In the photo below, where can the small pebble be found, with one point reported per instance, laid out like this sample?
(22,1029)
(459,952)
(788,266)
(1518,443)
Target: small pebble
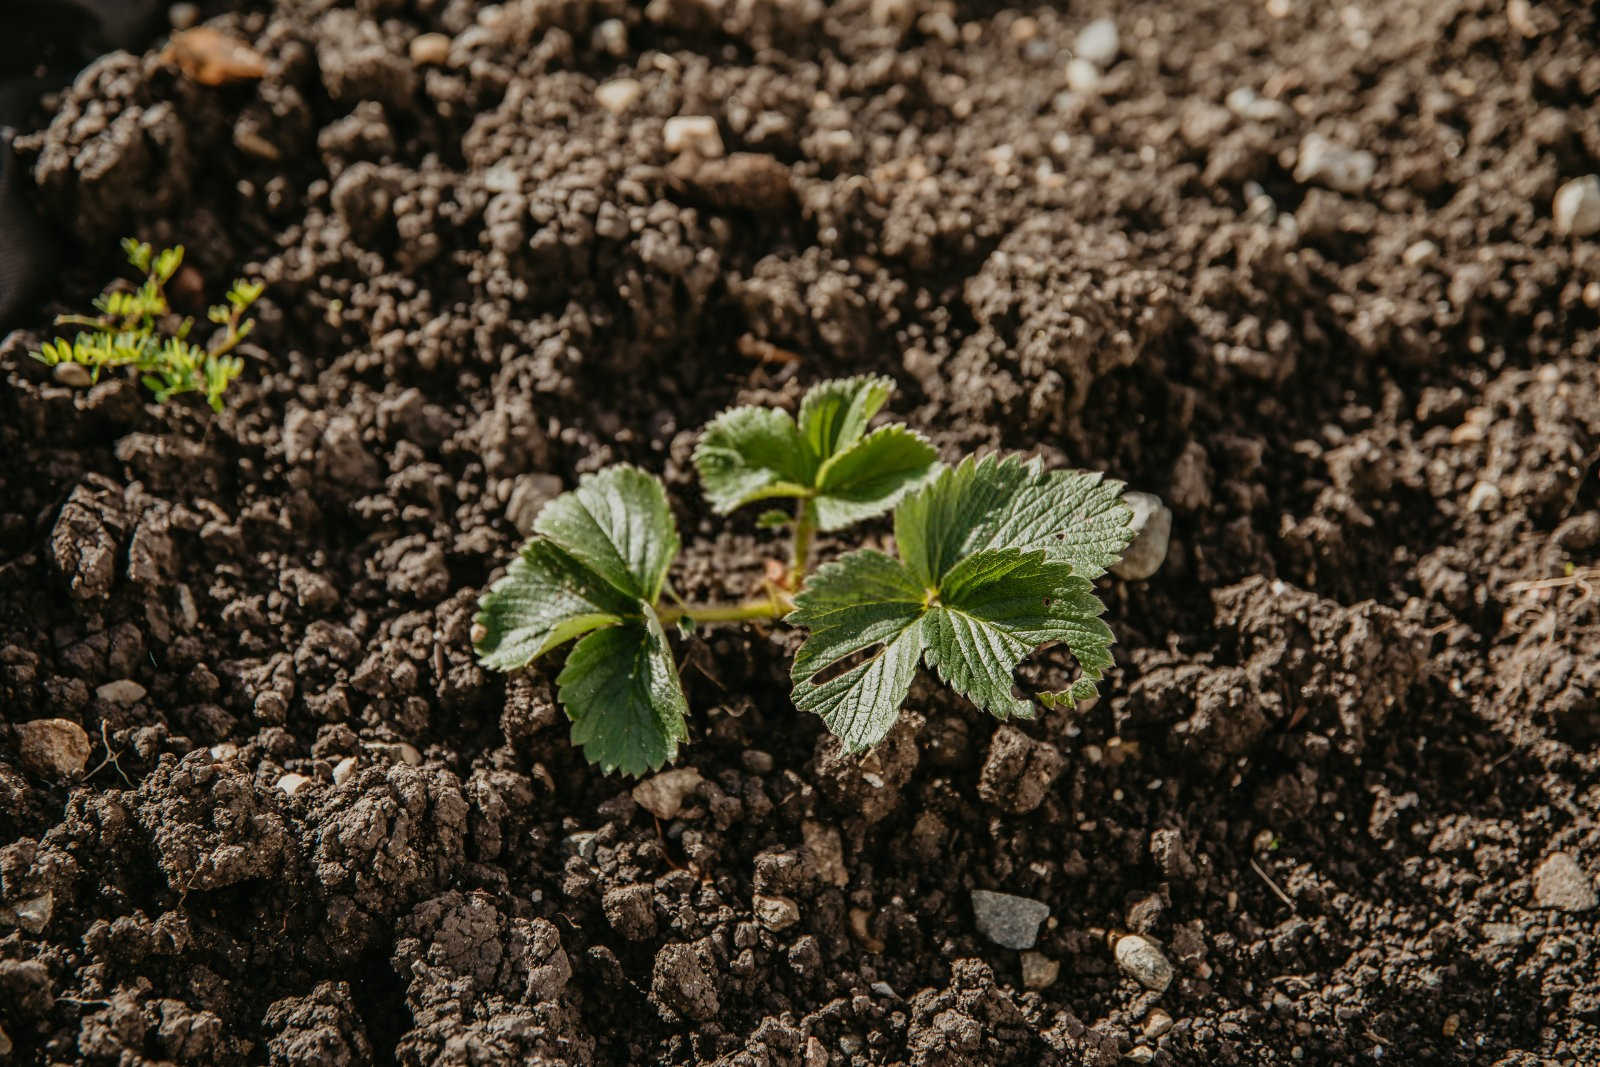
(884,989)
(1008,920)
(343,770)
(1098,43)
(397,752)
(693,133)
(1152,526)
(430,49)
(1157,1025)
(663,794)
(1038,970)
(1485,496)
(1082,76)
(123,691)
(1560,883)
(619,95)
(183,16)
(1420,254)
(531,493)
(32,915)
(1140,1054)
(1576,209)
(611,37)
(293,783)
(1248,104)
(1322,162)
(72,375)
(53,748)
(224,751)
(774,912)
(1143,962)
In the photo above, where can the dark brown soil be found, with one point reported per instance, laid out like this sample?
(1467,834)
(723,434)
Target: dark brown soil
(1356,710)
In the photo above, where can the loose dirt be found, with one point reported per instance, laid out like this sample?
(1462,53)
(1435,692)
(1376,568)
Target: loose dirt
(1344,781)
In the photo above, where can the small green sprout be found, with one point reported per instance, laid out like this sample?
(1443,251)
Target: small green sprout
(994,558)
(129,332)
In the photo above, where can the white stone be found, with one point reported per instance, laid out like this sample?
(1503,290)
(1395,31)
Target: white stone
(662,795)
(693,133)
(1098,43)
(1485,496)
(343,770)
(1420,254)
(122,691)
(224,751)
(1143,962)
(611,37)
(54,748)
(619,95)
(397,751)
(1560,883)
(1322,162)
(293,783)
(1248,104)
(1008,920)
(1152,535)
(1082,76)
(1576,209)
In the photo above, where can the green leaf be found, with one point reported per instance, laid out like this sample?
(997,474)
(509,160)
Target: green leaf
(997,606)
(834,414)
(993,562)
(863,600)
(753,453)
(774,519)
(1074,517)
(621,690)
(867,478)
(749,454)
(618,524)
(545,599)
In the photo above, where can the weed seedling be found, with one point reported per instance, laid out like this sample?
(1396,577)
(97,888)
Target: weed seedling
(994,558)
(131,331)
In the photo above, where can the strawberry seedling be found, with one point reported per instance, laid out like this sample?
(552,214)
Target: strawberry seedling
(995,558)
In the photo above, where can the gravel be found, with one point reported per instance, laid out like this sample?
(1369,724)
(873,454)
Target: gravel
(1152,524)
(1009,921)
(1142,961)
(1576,208)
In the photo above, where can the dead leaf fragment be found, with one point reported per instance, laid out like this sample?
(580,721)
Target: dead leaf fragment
(211,57)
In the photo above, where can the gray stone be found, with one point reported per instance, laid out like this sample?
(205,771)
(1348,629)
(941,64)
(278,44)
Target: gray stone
(1560,883)
(1152,525)
(1142,961)
(1009,921)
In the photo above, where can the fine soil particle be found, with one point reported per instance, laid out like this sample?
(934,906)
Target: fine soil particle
(1290,267)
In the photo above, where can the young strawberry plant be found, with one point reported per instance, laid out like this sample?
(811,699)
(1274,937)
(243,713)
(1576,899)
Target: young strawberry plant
(994,558)
(131,331)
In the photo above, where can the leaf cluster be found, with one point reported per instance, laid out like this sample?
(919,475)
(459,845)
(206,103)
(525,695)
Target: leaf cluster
(136,329)
(994,558)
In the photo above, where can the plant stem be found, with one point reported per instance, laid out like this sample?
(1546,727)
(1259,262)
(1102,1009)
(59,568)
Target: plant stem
(805,527)
(745,611)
